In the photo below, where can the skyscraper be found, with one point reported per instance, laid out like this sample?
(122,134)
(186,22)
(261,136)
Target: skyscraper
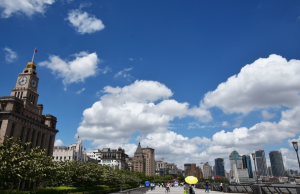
(277,163)
(270,171)
(247,164)
(236,159)
(261,162)
(219,167)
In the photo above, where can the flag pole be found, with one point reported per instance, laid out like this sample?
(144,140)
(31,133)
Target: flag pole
(33,54)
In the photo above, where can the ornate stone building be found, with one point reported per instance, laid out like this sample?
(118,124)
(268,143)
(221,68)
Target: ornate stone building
(21,116)
(192,170)
(144,160)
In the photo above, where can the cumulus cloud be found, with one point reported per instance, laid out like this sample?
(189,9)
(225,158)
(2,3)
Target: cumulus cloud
(266,115)
(10,55)
(84,22)
(105,70)
(83,66)
(80,91)
(267,82)
(124,73)
(58,142)
(27,7)
(143,106)
(289,158)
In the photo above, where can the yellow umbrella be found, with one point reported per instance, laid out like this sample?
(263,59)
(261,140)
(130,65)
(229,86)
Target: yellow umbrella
(191,180)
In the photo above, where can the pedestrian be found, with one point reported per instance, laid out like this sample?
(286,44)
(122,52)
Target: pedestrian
(221,186)
(206,187)
(158,185)
(186,188)
(193,189)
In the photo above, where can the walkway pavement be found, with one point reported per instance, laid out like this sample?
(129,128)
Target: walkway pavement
(177,190)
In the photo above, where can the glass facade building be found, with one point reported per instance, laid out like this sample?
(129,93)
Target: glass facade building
(247,164)
(277,163)
(261,163)
(219,167)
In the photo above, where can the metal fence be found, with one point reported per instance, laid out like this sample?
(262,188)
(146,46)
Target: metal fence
(255,189)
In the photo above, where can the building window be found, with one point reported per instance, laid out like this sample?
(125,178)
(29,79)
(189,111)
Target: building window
(56,157)
(61,158)
(37,139)
(18,94)
(27,136)
(12,130)
(22,133)
(42,141)
(0,124)
(49,145)
(21,95)
(32,138)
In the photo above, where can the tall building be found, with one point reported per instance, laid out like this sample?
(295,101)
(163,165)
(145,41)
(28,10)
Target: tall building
(261,162)
(73,152)
(270,174)
(192,170)
(219,167)
(21,116)
(247,164)
(277,163)
(206,170)
(144,160)
(165,168)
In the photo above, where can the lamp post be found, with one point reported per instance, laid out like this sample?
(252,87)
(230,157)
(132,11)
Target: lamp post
(253,156)
(295,145)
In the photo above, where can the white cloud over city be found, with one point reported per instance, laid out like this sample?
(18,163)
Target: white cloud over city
(73,71)
(23,7)
(83,22)
(10,55)
(147,108)
(267,82)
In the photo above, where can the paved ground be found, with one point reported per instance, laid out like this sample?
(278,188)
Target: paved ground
(177,190)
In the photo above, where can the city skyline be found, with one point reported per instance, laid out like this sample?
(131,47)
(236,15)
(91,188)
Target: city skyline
(194,81)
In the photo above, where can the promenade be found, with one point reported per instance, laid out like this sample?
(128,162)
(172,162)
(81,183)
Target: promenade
(177,190)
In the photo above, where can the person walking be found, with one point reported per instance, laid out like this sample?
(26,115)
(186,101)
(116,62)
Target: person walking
(206,187)
(168,186)
(186,188)
(221,186)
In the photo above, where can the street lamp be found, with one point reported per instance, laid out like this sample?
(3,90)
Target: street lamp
(253,156)
(295,145)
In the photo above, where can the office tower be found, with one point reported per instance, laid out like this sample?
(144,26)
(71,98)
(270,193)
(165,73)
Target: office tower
(144,160)
(277,163)
(219,167)
(270,171)
(261,163)
(206,170)
(247,164)
(235,159)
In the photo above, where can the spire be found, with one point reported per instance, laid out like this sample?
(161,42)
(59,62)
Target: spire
(139,149)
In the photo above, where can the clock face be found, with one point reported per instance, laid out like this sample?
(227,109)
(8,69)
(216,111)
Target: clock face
(22,81)
(33,83)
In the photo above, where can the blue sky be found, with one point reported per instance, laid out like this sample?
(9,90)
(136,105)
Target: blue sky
(120,72)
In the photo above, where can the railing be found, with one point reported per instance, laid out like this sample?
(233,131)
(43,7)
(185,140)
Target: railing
(255,189)
(279,189)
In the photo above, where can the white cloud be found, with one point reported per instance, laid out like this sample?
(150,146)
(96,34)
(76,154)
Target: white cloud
(84,22)
(266,115)
(289,159)
(10,55)
(143,106)
(83,66)
(105,70)
(27,7)
(79,91)
(85,4)
(58,142)
(225,124)
(124,73)
(267,82)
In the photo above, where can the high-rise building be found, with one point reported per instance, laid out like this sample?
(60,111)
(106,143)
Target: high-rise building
(219,167)
(144,160)
(247,164)
(22,117)
(270,174)
(206,170)
(235,159)
(261,162)
(277,163)
(192,170)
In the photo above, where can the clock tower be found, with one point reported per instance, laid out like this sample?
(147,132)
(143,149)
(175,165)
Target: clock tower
(21,116)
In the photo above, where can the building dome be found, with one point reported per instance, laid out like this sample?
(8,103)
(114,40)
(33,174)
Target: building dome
(234,155)
(31,65)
